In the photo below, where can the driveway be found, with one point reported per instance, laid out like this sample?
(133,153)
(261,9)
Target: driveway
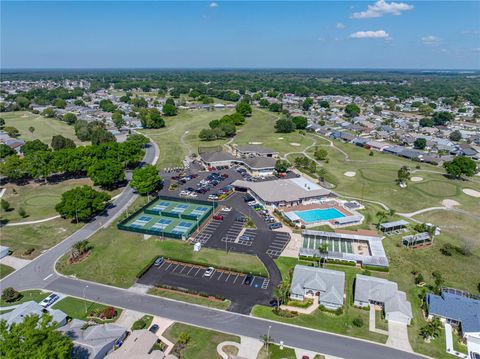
(398,336)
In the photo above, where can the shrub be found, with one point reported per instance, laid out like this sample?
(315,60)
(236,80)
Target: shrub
(183,338)
(284,313)
(447,249)
(29,251)
(338,311)
(108,313)
(378,269)
(139,324)
(5,205)
(11,295)
(22,213)
(358,322)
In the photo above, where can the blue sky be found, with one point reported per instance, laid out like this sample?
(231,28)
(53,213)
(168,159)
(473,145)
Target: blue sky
(338,34)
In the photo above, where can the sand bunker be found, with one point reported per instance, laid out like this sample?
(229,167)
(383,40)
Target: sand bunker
(280,138)
(295,144)
(450,203)
(471,192)
(349,174)
(416,179)
(255,143)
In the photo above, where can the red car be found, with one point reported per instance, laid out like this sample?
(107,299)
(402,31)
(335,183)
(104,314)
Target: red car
(218,217)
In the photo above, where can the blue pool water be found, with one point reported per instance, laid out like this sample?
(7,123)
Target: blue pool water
(315,215)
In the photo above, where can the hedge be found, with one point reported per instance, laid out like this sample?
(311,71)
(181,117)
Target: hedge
(146,268)
(378,269)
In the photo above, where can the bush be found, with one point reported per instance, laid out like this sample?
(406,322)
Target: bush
(5,205)
(108,313)
(29,251)
(284,313)
(374,268)
(22,213)
(358,322)
(11,295)
(183,338)
(338,311)
(142,322)
(447,249)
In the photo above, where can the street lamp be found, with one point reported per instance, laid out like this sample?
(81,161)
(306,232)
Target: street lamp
(268,341)
(84,298)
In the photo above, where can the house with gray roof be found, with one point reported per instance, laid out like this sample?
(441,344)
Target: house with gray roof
(138,345)
(33,308)
(382,292)
(217,158)
(328,285)
(254,151)
(95,341)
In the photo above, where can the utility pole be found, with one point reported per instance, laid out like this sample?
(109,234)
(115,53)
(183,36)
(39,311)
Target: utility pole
(85,299)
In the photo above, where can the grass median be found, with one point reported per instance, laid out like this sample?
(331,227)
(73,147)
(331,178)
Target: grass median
(190,298)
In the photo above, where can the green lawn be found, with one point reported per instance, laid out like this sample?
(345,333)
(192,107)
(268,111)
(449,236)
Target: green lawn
(27,295)
(45,128)
(274,352)
(118,256)
(80,309)
(5,270)
(40,236)
(183,297)
(341,324)
(203,342)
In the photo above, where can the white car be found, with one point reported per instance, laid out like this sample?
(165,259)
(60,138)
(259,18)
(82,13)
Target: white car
(184,193)
(209,272)
(192,194)
(52,298)
(226,209)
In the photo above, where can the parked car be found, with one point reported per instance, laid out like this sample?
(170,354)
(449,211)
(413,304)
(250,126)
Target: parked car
(248,279)
(209,272)
(275,225)
(244,237)
(153,328)
(52,298)
(227,209)
(218,217)
(158,261)
(275,303)
(241,219)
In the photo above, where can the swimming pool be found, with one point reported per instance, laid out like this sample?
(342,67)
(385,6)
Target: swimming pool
(318,214)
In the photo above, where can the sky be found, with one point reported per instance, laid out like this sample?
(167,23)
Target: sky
(241,34)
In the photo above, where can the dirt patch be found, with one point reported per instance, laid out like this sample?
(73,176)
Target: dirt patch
(471,192)
(416,179)
(295,144)
(350,174)
(450,203)
(230,350)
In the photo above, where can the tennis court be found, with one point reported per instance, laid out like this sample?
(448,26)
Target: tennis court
(168,217)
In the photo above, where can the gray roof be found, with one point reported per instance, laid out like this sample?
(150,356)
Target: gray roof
(138,346)
(330,283)
(417,237)
(280,190)
(381,290)
(94,338)
(388,225)
(255,149)
(259,162)
(218,156)
(457,307)
(31,308)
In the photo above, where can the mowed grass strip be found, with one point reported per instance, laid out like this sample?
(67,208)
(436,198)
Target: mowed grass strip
(81,309)
(27,295)
(118,256)
(203,342)
(190,298)
(45,128)
(5,270)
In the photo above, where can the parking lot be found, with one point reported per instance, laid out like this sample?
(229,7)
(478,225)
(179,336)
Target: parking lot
(223,283)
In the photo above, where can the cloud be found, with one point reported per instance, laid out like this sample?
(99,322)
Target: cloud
(470,32)
(477,49)
(213,4)
(431,40)
(340,25)
(379,34)
(380,8)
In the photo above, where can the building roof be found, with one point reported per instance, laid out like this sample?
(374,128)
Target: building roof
(217,156)
(31,308)
(457,307)
(255,149)
(284,190)
(259,162)
(93,339)
(369,288)
(330,283)
(417,237)
(138,346)
(389,225)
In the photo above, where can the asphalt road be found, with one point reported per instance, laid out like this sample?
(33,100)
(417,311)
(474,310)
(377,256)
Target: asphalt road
(40,274)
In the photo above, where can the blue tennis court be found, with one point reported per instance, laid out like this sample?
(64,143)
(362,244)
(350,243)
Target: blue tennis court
(199,211)
(162,224)
(161,206)
(180,208)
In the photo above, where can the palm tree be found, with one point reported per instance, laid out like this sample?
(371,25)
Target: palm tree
(381,215)
(31,129)
(391,212)
(278,295)
(323,249)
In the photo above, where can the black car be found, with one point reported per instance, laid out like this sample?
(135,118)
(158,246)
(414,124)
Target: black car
(154,328)
(248,279)
(275,303)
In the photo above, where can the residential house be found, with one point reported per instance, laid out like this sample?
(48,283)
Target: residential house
(139,345)
(33,308)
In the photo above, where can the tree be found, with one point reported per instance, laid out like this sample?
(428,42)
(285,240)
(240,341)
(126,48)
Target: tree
(278,295)
(118,120)
(82,203)
(48,112)
(455,136)
(79,249)
(284,125)
(106,173)
(34,146)
(151,118)
(263,103)
(145,179)
(461,165)
(169,109)
(31,129)
(300,122)
(70,118)
(5,205)
(10,295)
(107,105)
(320,154)
(403,174)
(2,123)
(207,134)
(12,167)
(22,213)
(244,109)
(5,151)
(60,103)
(324,104)
(183,338)
(11,131)
(275,107)
(420,143)
(432,330)
(442,118)
(33,337)
(307,103)
(38,164)
(323,249)
(282,166)
(352,110)
(59,142)
(426,122)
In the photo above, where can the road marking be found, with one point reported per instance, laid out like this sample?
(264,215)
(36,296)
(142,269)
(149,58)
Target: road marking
(175,267)
(161,265)
(220,276)
(48,276)
(236,277)
(183,269)
(190,270)
(170,263)
(229,274)
(197,271)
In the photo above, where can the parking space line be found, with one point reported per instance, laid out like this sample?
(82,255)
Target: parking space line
(190,270)
(236,277)
(175,267)
(197,271)
(161,265)
(229,274)
(183,269)
(220,276)
(170,263)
